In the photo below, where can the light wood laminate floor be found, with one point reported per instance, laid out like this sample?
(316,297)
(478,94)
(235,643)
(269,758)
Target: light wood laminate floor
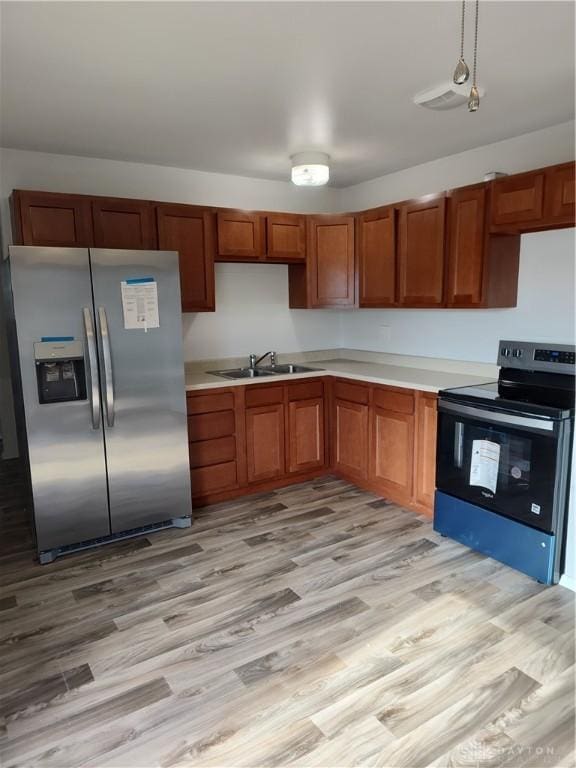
(312,626)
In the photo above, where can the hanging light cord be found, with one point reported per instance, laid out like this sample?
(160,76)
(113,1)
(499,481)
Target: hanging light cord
(475,43)
(462,29)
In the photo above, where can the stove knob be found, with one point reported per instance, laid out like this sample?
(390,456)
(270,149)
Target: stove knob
(516,352)
(505,352)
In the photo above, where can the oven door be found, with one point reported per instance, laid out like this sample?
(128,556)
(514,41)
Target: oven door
(502,461)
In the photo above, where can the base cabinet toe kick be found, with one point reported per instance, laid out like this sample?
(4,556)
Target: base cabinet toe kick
(249,438)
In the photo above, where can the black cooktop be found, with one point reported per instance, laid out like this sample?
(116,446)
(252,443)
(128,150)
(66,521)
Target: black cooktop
(536,393)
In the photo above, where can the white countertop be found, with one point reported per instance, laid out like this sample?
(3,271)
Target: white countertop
(427,379)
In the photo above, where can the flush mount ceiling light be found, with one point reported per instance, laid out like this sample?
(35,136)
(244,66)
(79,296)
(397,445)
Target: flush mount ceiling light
(310,169)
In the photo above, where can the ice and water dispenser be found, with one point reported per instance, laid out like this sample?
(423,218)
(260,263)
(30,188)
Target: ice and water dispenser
(60,371)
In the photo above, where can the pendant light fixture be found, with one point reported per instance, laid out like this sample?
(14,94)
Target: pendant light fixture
(461,73)
(310,169)
(474,98)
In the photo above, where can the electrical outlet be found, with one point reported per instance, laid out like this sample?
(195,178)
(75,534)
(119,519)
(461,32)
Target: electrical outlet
(385,333)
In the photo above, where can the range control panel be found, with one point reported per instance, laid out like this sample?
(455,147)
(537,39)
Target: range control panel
(534,356)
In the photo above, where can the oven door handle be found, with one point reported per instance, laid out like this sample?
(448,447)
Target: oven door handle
(496,417)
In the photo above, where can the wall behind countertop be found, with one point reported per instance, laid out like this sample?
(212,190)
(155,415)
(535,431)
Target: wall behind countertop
(252,315)
(545,312)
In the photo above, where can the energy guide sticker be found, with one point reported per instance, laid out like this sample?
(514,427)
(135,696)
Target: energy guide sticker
(484,464)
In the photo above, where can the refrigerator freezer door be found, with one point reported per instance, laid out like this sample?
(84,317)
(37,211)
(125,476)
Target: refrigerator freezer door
(142,386)
(52,299)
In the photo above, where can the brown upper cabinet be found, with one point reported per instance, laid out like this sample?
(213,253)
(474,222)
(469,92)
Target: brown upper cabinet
(560,197)
(518,199)
(541,199)
(376,251)
(121,223)
(285,237)
(258,236)
(241,236)
(190,230)
(482,267)
(421,252)
(51,218)
(328,278)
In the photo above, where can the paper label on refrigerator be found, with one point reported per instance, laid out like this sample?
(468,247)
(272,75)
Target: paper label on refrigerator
(140,303)
(484,464)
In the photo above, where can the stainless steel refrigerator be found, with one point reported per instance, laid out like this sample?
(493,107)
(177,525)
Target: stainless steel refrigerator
(100,383)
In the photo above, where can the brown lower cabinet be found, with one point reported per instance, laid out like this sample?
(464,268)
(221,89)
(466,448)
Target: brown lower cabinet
(426,424)
(258,437)
(392,450)
(265,457)
(245,438)
(384,438)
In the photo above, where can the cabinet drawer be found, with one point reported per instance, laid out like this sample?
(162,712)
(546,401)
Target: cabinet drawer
(354,393)
(393,400)
(256,396)
(207,426)
(223,401)
(305,390)
(208,452)
(220,477)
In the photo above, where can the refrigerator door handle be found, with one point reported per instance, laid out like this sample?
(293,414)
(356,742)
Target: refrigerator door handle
(92,368)
(107,361)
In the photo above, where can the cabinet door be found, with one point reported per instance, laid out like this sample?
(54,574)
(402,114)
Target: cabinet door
(351,438)
(466,245)
(421,252)
(286,237)
(190,230)
(517,200)
(305,434)
(392,452)
(120,223)
(331,260)
(426,424)
(265,442)
(240,236)
(49,218)
(560,195)
(376,239)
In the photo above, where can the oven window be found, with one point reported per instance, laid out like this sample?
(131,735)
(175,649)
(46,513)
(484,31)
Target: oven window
(507,470)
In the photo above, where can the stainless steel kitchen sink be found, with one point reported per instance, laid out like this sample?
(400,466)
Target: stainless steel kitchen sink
(242,373)
(269,370)
(289,368)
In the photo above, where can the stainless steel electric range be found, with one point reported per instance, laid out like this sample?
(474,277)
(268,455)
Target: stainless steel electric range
(503,459)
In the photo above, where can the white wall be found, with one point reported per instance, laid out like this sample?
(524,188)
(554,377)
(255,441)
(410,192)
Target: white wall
(545,312)
(521,153)
(253,316)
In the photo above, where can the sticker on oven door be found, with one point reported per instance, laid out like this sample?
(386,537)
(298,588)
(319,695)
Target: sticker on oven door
(535,508)
(484,464)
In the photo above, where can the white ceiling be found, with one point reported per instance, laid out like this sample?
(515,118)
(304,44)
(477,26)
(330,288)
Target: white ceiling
(238,87)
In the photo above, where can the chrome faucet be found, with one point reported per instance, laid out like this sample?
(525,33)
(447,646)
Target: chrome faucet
(254,363)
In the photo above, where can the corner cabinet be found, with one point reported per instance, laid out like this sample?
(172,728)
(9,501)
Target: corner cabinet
(191,231)
(421,252)
(328,277)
